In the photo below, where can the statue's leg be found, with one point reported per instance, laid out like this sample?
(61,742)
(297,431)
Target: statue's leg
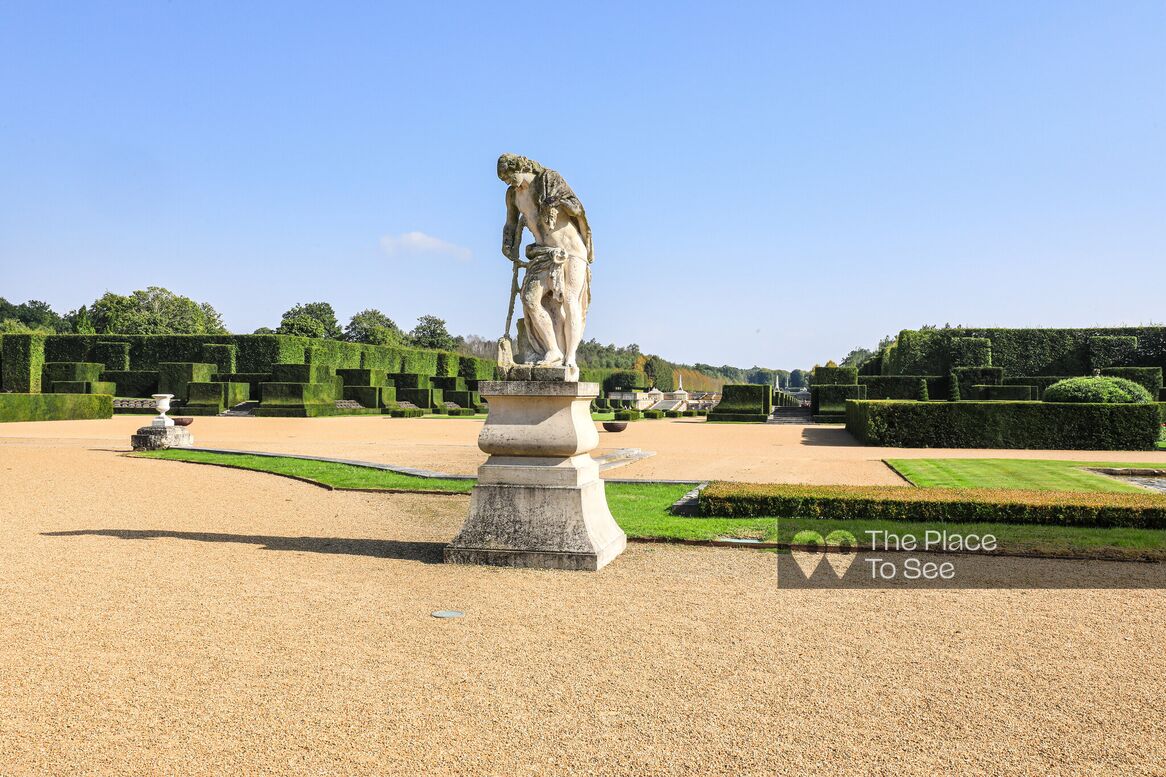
(540,329)
(574,307)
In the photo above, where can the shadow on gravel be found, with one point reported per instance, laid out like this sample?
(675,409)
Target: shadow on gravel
(425,552)
(826,436)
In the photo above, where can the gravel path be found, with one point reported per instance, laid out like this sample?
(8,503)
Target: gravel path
(163,618)
(686,449)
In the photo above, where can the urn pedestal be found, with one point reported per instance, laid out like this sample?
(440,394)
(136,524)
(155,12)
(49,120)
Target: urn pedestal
(539,501)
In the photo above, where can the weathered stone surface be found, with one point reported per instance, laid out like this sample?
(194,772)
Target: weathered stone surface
(556,287)
(539,501)
(156,438)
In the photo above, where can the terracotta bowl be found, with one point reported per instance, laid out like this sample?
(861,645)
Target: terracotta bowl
(183,421)
(615,426)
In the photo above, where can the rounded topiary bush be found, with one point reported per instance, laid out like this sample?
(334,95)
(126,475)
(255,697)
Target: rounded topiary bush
(1098,389)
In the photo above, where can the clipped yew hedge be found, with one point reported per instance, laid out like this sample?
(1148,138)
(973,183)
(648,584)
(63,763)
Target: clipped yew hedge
(1030,425)
(904,503)
(54,407)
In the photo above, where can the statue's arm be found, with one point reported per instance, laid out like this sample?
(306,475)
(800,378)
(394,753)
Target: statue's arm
(511,231)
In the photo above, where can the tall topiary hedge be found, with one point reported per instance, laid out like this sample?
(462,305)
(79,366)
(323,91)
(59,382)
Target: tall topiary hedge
(835,376)
(746,403)
(1031,351)
(22,362)
(1032,425)
(971,352)
(54,407)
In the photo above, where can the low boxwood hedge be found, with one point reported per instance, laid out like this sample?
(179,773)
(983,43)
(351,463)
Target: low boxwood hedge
(902,503)
(54,407)
(653,414)
(627,415)
(1032,425)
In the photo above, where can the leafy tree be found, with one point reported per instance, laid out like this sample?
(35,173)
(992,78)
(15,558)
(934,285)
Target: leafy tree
(797,379)
(34,315)
(660,373)
(322,312)
(264,330)
(302,325)
(154,311)
(856,357)
(374,327)
(79,321)
(13,326)
(430,332)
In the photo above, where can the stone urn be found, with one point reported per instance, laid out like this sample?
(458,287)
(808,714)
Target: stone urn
(614,426)
(162,403)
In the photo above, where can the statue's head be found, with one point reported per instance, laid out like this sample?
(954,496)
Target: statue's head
(509,165)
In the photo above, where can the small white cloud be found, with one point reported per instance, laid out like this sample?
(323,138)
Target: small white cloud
(412,243)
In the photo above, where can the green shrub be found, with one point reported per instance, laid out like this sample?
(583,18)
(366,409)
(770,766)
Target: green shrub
(1149,378)
(22,358)
(924,394)
(1100,389)
(406,412)
(671,413)
(971,352)
(653,414)
(932,505)
(1032,425)
(460,411)
(954,394)
(835,376)
(53,372)
(627,415)
(688,413)
(1096,390)
(115,356)
(54,407)
(1112,351)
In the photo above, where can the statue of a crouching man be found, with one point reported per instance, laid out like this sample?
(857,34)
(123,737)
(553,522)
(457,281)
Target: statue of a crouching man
(556,289)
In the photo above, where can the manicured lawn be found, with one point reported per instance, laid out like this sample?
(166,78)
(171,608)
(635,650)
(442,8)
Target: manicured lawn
(641,509)
(1025,474)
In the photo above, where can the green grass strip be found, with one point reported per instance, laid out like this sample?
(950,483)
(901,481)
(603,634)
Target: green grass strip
(1016,474)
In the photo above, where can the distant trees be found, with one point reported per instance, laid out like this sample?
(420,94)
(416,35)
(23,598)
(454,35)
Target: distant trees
(151,311)
(31,316)
(660,373)
(294,322)
(373,327)
(430,332)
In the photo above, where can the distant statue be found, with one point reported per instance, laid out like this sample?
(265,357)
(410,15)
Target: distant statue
(556,289)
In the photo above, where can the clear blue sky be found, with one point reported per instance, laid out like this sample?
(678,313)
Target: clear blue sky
(768,183)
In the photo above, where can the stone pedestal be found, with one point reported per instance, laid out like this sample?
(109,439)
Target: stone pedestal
(157,437)
(539,501)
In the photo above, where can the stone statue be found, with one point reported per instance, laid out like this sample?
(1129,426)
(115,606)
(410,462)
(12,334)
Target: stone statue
(556,289)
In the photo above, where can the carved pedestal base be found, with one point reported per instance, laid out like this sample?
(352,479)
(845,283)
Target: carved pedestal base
(539,501)
(156,438)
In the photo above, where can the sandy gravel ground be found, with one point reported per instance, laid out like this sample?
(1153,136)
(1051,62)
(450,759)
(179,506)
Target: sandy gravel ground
(685,448)
(164,618)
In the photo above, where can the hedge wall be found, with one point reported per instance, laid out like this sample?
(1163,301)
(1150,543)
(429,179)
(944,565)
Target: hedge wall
(1038,382)
(902,386)
(1028,351)
(1030,425)
(835,376)
(932,505)
(971,352)
(995,393)
(1112,351)
(1150,377)
(225,357)
(748,402)
(22,358)
(115,356)
(54,407)
(831,399)
(133,383)
(57,371)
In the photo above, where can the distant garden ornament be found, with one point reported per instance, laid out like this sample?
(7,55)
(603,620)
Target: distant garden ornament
(556,287)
